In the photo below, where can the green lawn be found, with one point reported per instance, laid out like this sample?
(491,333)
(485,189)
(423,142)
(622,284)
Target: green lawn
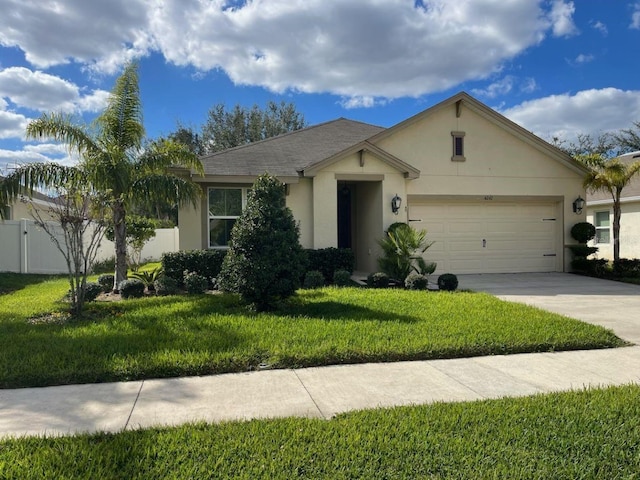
(593,434)
(195,335)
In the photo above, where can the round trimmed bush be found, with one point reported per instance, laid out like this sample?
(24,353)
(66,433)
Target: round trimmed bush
(165,285)
(92,290)
(195,283)
(313,279)
(131,288)
(415,281)
(447,282)
(106,282)
(582,232)
(342,278)
(378,280)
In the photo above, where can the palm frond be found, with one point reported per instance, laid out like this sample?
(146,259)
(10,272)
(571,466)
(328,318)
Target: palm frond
(165,188)
(61,128)
(121,122)
(163,154)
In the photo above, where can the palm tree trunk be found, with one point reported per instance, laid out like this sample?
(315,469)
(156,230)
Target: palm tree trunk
(617,213)
(120,239)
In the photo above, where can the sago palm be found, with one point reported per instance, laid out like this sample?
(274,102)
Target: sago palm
(113,161)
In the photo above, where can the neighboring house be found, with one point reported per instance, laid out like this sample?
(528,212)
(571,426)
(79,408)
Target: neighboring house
(493,196)
(600,214)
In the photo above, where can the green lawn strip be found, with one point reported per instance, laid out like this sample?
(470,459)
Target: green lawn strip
(194,335)
(585,434)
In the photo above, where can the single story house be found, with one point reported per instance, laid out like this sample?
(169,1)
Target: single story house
(492,196)
(600,214)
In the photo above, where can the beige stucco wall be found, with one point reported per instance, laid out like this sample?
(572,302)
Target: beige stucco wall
(629,230)
(191,222)
(498,164)
(300,201)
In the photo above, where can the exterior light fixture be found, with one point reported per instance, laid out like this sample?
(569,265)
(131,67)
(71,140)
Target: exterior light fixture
(396,202)
(578,205)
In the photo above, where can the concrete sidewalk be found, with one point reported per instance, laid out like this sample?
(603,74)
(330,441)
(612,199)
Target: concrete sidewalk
(310,392)
(326,391)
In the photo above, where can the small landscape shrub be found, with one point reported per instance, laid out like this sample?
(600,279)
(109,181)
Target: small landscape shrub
(148,277)
(313,279)
(131,288)
(378,280)
(448,282)
(207,263)
(106,282)
(342,278)
(329,260)
(195,283)
(92,290)
(105,266)
(627,267)
(582,232)
(165,285)
(582,250)
(415,281)
(589,266)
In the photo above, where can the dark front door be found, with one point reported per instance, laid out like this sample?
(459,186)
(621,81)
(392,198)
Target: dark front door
(345,194)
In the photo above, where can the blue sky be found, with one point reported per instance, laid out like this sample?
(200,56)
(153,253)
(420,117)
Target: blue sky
(556,67)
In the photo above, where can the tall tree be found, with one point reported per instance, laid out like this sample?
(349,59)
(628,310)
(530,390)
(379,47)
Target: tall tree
(230,128)
(113,161)
(629,139)
(612,176)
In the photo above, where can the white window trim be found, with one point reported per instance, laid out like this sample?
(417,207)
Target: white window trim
(210,217)
(608,228)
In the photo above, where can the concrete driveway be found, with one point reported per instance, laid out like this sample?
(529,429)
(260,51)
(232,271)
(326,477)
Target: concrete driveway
(613,305)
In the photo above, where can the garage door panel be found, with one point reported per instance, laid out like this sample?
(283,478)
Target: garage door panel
(519,236)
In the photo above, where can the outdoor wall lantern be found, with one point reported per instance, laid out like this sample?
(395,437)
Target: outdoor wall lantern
(395,204)
(578,205)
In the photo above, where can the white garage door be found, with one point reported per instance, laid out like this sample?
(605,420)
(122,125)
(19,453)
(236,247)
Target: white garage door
(489,237)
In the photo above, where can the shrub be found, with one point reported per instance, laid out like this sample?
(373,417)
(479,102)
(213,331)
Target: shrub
(342,278)
(378,280)
(195,283)
(582,250)
(328,260)
(313,279)
(627,267)
(92,290)
(416,281)
(582,232)
(589,266)
(207,263)
(106,282)
(165,285)
(265,261)
(448,282)
(148,277)
(104,266)
(131,288)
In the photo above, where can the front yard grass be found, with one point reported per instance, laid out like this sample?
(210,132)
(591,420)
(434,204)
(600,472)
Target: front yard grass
(204,334)
(586,434)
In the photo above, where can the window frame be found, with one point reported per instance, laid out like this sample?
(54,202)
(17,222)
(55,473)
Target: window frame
(243,193)
(600,228)
(458,156)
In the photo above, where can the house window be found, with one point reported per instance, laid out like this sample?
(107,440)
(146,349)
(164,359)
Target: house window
(602,224)
(225,206)
(458,147)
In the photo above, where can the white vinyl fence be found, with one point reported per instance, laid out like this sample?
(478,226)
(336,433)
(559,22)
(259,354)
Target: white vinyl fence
(25,248)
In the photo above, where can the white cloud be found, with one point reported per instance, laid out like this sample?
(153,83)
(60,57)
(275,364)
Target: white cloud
(356,48)
(581,59)
(44,92)
(41,153)
(12,125)
(529,85)
(635,17)
(589,111)
(361,102)
(601,27)
(501,87)
(561,19)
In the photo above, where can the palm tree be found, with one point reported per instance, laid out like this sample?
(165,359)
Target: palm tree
(113,161)
(610,176)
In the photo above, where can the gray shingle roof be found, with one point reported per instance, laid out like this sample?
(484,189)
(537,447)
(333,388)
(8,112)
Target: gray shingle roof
(631,190)
(286,154)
